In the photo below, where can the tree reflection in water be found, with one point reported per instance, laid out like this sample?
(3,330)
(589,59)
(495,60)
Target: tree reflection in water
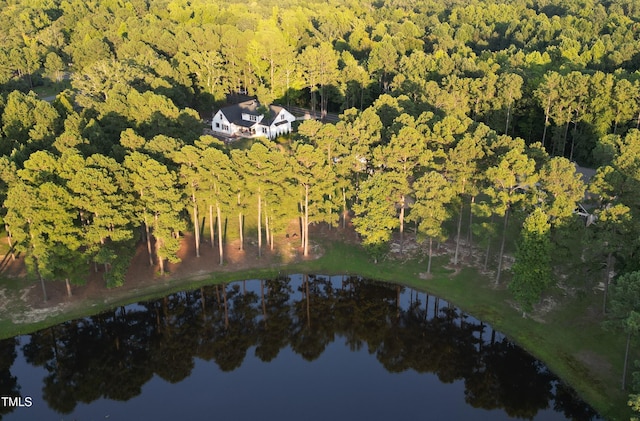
(8,382)
(113,355)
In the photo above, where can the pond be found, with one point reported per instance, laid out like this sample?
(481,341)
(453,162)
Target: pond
(298,347)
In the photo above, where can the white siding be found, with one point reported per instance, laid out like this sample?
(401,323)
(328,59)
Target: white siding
(220,123)
(281,125)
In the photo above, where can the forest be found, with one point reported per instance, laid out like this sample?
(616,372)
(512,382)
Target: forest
(460,121)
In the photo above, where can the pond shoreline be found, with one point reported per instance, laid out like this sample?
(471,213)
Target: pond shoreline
(464,287)
(344,332)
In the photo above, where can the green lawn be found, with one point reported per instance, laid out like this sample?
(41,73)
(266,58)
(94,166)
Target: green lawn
(568,339)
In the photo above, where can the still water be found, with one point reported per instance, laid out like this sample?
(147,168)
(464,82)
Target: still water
(294,348)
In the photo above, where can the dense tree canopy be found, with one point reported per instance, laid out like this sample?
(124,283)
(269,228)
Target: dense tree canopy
(445,109)
(479,108)
(559,73)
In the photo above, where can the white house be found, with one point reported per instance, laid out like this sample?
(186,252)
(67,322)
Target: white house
(245,120)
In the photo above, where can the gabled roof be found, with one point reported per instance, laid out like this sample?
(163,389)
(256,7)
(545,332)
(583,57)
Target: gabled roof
(233,113)
(586,173)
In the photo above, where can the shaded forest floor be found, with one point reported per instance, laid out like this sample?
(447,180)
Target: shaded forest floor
(22,300)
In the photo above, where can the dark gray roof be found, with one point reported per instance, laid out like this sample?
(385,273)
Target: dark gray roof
(586,173)
(244,123)
(233,113)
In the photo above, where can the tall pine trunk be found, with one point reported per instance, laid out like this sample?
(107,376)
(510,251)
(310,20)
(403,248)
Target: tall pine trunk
(546,123)
(301,223)
(44,289)
(148,236)
(573,139)
(402,200)
(259,225)
(196,226)
(486,254)
(306,221)
(273,243)
(344,208)
(13,255)
(313,101)
(266,228)
(220,248)
(95,264)
(455,255)
(158,245)
(504,237)
(430,255)
(66,280)
(470,232)
(240,228)
(211,226)
(564,138)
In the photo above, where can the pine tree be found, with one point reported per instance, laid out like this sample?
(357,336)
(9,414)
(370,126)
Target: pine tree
(375,212)
(509,181)
(315,178)
(433,193)
(219,188)
(160,203)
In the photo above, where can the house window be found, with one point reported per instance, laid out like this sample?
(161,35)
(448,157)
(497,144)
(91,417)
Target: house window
(217,125)
(282,117)
(225,127)
(253,117)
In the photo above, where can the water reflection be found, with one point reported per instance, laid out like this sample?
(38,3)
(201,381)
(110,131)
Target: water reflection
(115,354)
(8,382)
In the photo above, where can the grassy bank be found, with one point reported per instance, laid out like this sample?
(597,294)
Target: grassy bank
(567,338)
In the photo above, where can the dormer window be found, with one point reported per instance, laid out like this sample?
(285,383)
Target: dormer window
(245,119)
(250,117)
